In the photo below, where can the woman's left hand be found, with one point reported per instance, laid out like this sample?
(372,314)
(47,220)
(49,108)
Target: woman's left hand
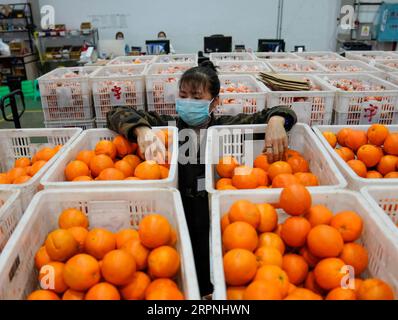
(276,141)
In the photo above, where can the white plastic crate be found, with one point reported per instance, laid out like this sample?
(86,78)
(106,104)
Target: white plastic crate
(276,55)
(371,56)
(119,85)
(355,182)
(311,107)
(393,78)
(66,94)
(10,213)
(242,67)
(349,66)
(55,178)
(231,56)
(131,60)
(384,202)
(295,66)
(388,65)
(85,125)
(246,142)
(319,55)
(101,124)
(233,103)
(364,107)
(123,208)
(376,237)
(19,143)
(162,86)
(177,58)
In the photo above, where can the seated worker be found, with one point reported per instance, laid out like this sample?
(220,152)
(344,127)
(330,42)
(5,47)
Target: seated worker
(199,90)
(120,36)
(162,35)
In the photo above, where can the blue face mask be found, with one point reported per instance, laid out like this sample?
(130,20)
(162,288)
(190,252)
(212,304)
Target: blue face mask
(193,112)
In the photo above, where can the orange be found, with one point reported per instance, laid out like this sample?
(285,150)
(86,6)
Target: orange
(325,242)
(173,238)
(375,289)
(295,267)
(387,164)
(41,258)
(22,179)
(370,155)
(103,291)
(349,224)
(295,200)
(73,295)
(268,256)
(164,293)
(268,218)
(35,168)
(240,235)
(4,178)
(83,179)
(284,180)
(374,175)
(355,255)
(60,245)
(164,172)
(342,136)
(138,251)
(262,187)
(72,218)
(356,139)
(85,156)
(330,138)
(262,290)
(292,288)
(319,214)
(135,290)
(133,160)
(22,163)
(99,242)
(118,267)
(159,284)
(291,153)
(227,187)
(154,231)
(100,163)
(107,148)
(377,134)
(294,231)
(298,164)
(124,167)
(226,167)
(163,262)
(357,285)
(329,273)
(262,178)
(346,153)
(125,235)
(76,169)
(391,144)
(148,170)
(275,274)
(240,267)
(270,239)
(311,284)
(311,260)
(123,146)
(81,272)
(165,136)
(303,294)
(341,294)
(391,175)
(111,174)
(16,173)
(224,222)
(358,167)
(43,295)
(245,211)
(235,293)
(223,182)
(261,162)
(278,168)
(307,179)
(45,154)
(244,178)
(51,274)
(57,148)
(80,235)
(132,179)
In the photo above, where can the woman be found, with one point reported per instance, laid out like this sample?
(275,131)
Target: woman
(199,90)
(120,36)
(162,35)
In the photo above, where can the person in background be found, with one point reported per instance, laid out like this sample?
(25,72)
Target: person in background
(161,36)
(120,36)
(199,90)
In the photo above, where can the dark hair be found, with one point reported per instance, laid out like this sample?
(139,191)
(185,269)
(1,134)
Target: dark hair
(160,32)
(205,76)
(119,34)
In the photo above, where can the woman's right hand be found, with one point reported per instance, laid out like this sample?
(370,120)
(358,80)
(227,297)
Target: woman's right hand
(150,145)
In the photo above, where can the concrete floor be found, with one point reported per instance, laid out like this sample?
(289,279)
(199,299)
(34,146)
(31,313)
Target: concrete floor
(32,118)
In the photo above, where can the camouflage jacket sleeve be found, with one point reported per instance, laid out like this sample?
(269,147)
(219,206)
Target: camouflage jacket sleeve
(261,117)
(124,120)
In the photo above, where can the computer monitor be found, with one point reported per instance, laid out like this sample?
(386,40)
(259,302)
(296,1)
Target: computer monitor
(217,44)
(157,47)
(271,45)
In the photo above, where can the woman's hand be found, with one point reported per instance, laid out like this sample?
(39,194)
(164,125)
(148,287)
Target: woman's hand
(150,145)
(276,141)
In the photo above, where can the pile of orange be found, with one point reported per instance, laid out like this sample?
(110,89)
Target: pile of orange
(303,258)
(76,263)
(293,170)
(25,168)
(372,154)
(117,160)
